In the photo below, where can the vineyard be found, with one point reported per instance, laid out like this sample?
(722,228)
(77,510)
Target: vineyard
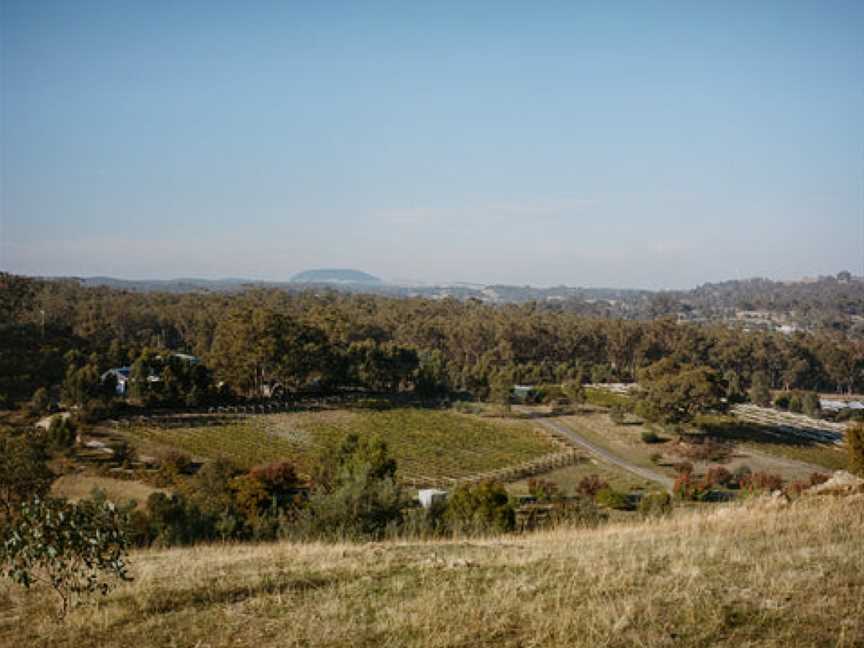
(430,446)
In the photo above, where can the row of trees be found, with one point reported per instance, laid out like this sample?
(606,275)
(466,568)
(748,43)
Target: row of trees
(306,341)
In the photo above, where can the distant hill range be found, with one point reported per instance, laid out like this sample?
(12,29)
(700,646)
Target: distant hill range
(337,276)
(828,301)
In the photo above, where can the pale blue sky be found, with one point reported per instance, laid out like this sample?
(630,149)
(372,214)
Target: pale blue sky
(643,144)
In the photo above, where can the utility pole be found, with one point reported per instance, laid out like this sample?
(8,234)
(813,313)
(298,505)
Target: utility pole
(43,323)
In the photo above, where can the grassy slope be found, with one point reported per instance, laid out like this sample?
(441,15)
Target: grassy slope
(754,447)
(79,486)
(424,442)
(745,575)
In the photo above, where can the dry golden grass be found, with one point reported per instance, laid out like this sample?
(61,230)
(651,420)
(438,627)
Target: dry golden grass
(75,487)
(741,575)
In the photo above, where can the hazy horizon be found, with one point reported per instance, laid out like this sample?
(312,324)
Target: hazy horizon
(635,145)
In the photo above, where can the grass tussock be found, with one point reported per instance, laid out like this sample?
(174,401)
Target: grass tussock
(740,575)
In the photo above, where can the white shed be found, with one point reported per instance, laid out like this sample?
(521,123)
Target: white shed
(428,496)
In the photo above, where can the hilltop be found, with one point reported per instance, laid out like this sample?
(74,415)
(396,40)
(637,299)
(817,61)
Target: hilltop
(337,276)
(761,573)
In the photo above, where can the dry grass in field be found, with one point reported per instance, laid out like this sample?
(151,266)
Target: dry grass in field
(758,451)
(75,487)
(742,575)
(568,478)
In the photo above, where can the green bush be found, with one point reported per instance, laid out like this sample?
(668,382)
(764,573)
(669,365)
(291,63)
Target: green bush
(613,499)
(655,503)
(760,392)
(40,402)
(357,496)
(795,404)
(480,509)
(74,549)
(810,404)
(650,436)
(60,435)
(24,472)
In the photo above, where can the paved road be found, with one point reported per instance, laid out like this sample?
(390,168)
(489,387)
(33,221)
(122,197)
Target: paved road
(605,455)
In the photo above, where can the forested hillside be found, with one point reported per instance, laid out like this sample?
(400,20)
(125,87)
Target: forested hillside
(327,341)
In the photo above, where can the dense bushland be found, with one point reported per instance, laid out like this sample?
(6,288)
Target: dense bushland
(261,341)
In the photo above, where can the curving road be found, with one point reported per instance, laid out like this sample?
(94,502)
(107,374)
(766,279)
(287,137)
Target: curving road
(605,455)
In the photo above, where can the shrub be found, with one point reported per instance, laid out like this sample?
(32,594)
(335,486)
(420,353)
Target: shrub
(650,436)
(591,485)
(689,487)
(810,404)
(273,488)
(718,476)
(23,472)
(618,414)
(75,549)
(356,493)
(482,508)
(41,402)
(760,393)
(173,464)
(739,475)
(782,401)
(799,486)
(761,482)
(60,435)
(613,499)
(424,523)
(543,490)
(818,478)
(655,503)
(571,512)
(176,521)
(574,390)
(795,404)
(124,454)
(855,448)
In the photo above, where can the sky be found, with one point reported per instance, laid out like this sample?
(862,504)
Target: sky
(624,144)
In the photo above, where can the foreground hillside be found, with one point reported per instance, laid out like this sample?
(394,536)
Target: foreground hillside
(738,575)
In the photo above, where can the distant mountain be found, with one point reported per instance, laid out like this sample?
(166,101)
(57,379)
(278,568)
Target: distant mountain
(336,276)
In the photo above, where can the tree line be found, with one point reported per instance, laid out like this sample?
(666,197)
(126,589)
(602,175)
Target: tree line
(320,341)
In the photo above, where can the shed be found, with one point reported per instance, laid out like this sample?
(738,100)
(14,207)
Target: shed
(429,496)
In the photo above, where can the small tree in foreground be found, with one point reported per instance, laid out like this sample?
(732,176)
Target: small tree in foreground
(479,509)
(74,549)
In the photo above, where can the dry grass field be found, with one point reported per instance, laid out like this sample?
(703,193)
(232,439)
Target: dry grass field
(78,486)
(752,574)
(785,456)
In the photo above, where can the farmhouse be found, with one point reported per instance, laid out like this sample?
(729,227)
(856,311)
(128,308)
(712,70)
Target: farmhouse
(121,375)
